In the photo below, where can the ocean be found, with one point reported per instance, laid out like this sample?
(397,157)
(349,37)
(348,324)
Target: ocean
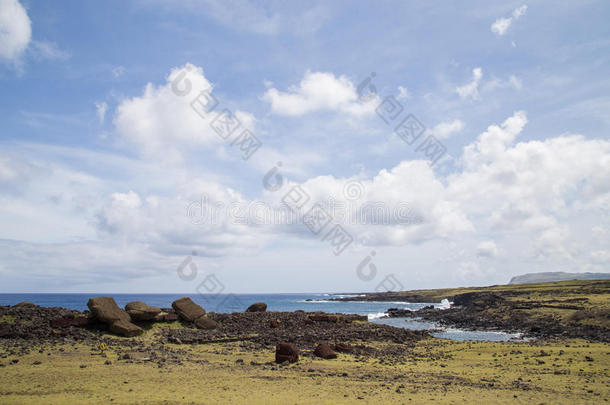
(275,302)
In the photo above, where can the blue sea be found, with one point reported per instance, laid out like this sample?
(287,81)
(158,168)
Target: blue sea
(275,302)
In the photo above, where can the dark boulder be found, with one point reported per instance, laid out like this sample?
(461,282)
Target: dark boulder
(106,310)
(257,307)
(274,323)
(205,323)
(324,351)
(125,328)
(286,352)
(139,311)
(187,309)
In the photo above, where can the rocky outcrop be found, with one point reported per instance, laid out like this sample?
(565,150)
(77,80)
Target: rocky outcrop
(286,352)
(191,312)
(79,321)
(257,307)
(107,311)
(139,311)
(25,304)
(324,351)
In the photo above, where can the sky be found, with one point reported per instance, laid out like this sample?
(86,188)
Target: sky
(264,147)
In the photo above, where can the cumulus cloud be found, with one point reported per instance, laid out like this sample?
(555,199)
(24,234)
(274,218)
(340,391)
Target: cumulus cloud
(471,89)
(163,121)
(15,31)
(444,130)
(501,25)
(318,91)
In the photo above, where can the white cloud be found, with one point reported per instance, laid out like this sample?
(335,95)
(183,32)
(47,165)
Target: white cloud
(48,50)
(501,25)
(444,130)
(318,91)
(15,31)
(471,90)
(487,248)
(163,123)
(101,108)
(118,71)
(403,93)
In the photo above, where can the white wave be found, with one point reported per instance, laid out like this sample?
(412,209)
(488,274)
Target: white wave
(445,304)
(377,315)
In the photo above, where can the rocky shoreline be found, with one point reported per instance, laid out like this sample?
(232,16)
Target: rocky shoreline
(25,326)
(549,316)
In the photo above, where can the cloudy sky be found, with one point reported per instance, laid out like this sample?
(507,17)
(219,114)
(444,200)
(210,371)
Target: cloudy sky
(310,147)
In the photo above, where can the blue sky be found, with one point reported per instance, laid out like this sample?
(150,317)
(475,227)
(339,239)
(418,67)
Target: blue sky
(102,165)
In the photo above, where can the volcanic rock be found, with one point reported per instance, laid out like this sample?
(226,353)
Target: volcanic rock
(106,310)
(125,328)
(187,309)
(257,307)
(205,323)
(139,311)
(324,351)
(286,352)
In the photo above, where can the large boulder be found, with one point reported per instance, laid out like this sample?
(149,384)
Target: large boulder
(139,311)
(206,323)
(257,307)
(286,352)
(106,310)
(125,328)
(187,309)
(324,351)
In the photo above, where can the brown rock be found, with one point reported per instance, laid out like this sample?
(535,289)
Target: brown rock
(257,307)
(165,317)
(324,351)
(187,309)
(286,352)
(139,311)
(106,310)
(206,323)
(125,328)
(274,324)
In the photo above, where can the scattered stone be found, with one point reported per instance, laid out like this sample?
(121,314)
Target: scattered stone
(343,348)
(83,366)
(324,351)
(107,362)
(79,321)
(187,309)
(286,351)
(274,323)
(37,363)
(139,311)
(257,307)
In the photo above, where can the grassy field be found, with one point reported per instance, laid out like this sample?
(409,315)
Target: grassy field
(551,371)
(435,370)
